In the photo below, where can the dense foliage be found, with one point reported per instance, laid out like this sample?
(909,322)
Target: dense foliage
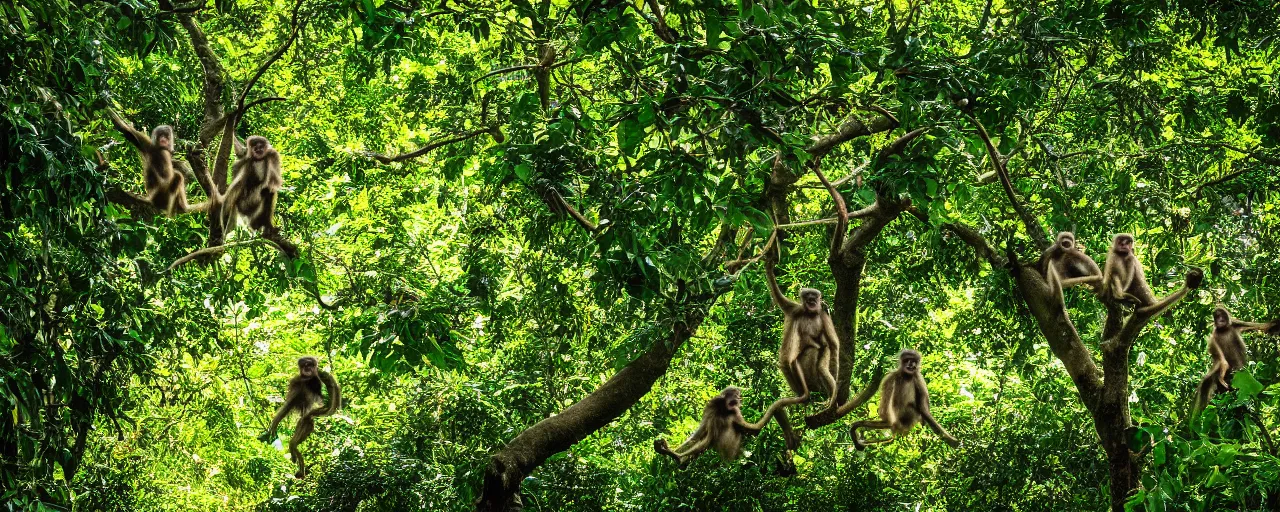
(587,170)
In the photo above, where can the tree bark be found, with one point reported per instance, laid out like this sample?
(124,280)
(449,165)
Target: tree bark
(534,445)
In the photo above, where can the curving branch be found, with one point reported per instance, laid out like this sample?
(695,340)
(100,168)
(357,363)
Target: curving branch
(852,128)
(384,159)
(293,36)
(567,208)
(1034,229)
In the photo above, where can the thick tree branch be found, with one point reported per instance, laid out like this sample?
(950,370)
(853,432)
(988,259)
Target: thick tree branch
(214,81)
(852,128)
(970,236)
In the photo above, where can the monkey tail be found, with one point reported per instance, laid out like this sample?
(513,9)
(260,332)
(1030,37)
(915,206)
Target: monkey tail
(335,396)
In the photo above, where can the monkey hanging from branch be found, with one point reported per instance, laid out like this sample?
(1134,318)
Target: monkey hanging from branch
(256,180)
(904,402)
(166,188)
(809,354)
(722,428)
(302,396)
(1228,353)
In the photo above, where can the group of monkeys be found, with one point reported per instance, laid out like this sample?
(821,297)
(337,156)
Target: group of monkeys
(810,348)
(251,198)
(255,182)
(810,354)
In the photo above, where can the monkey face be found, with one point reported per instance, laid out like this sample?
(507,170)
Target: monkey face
(163,136)
(910,365)
(732,398)
(308,367)
(812,300)
(258,147)
(1067,241)
(1221,319)
(1123,245)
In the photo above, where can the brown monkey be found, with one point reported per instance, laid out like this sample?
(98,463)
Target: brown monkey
(302,396)
(1071,264)
(810,348)
(257,180)
(722,428)
(166,189)
(904,401)
(1228,353)
(1123,279)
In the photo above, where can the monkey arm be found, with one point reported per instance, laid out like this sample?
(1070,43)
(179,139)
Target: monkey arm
(138,139)
(274,180)
(830,358)
(1243,326)
(240,148)
(887,413)
(937,428)
(1193,280)
(922,394)
(335,397)
(788,306)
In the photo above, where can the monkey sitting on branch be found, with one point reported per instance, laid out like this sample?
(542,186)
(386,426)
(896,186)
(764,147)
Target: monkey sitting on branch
(302,396)
(1124,281)
(1228,353)
(904,401)
(252,193)
(722,428)
(166,189)
(1066,264)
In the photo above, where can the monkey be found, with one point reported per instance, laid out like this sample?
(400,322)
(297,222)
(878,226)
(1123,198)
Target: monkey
(1227,352)
(904,401)
(1070,261)
(1124,281)
(722,428)
(302,396)
(166,189)
(253,189)
(810,348)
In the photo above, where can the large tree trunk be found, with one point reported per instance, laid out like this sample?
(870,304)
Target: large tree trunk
(531,448)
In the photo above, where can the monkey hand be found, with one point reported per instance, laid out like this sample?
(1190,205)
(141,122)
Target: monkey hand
(1195,277)
(267,437)
(1273,328)
(953,442)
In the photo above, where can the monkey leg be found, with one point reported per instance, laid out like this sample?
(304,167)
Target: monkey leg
(868,424)
(178,191)
(794,373)
(1204,394)
(789,435)
(262,221)
(306,425)
(1157,308)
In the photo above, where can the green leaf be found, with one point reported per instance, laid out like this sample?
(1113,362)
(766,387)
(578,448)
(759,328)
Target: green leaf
(1246,386)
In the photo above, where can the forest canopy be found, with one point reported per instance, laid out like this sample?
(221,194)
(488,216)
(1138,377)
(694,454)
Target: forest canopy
(456,255)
